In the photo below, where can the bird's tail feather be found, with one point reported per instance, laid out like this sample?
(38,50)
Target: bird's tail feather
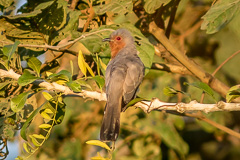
(111,123)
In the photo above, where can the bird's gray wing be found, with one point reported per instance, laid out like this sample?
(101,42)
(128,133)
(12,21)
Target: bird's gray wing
(134,76)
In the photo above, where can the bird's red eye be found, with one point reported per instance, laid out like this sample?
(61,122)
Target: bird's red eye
(118,38)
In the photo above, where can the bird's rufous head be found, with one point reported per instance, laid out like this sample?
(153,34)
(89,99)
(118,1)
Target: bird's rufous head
(118,40)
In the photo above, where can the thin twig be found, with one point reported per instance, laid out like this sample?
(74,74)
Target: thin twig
(172,17)
(221,65)
(217,125)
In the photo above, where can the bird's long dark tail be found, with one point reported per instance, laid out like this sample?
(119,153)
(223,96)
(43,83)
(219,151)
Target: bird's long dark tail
(111,122)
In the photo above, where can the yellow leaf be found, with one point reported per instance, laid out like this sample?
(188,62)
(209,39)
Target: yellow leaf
(45,126)
(47,95)
(103,65)
(48,73)
(99,143)
(49,111)
(45,115)
(34,141)
(71,65)
(38,136)
(81,63)
(25,146)
(90,70)
(61,82)
(98,158)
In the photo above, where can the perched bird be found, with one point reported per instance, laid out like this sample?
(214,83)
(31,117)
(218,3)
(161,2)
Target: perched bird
(123,76)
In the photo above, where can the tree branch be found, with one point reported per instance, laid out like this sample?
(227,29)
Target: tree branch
(146,106)
(171,68)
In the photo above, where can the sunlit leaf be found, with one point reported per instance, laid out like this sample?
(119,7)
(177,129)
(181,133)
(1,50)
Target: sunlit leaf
(99,143)
(35,141)
(25,146)
(47,96)
(81,63)
(90,70)
(45,126)
(38,136)
(45,116)
(103,65)
(71,65)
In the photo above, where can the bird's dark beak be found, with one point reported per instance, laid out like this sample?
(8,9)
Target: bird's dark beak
(106,40)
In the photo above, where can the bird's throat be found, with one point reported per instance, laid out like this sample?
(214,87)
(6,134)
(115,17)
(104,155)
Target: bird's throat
(115,48)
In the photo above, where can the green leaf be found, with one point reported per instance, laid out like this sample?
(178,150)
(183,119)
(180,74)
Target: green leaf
(75,86)
(151,6)
(233,92)
(134,101)
(62,75)
(9,50)
(83,83)
(99,143)
(4,84)
(4,62)
(29,120)
(17,103)
(203,86)
(117,6)
(35,64)
(26,78)
(100,81)
(169,91)
(219,15)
